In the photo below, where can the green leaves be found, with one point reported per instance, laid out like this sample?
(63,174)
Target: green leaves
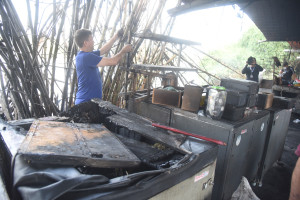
(253,43)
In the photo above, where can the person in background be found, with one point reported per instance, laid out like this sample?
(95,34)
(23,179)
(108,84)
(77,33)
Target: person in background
(252,69)
(286,73)
(295,183)
(88,61)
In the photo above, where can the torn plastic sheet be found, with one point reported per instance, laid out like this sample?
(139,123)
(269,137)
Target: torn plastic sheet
(41,181)
(34,181)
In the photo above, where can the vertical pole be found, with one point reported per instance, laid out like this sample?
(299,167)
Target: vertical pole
(178,64)
(274,81)
(179,55)
(128,59)
(148,86)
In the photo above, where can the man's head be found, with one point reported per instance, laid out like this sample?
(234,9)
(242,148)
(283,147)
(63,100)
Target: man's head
(254,60)
(84,39)
(285,64)
(251,60)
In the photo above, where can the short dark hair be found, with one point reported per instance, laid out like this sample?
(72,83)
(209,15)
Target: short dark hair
(285,63)
(82,35)
(250,60)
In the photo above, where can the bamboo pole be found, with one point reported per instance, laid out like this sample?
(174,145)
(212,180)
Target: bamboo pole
(51,45)
(218,61)
(20,42)
(149,24)
(138,7)
(90,11)
(34,33)
(16,69)
(14,95)
(56,49)
(72,51)
(74,76)
(107,20)
(27,64)
(193,66)
(97,16)
(111,70)
(4,99)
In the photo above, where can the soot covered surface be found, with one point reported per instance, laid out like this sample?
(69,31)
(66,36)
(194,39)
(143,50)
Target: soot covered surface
(145,141)
(277,181)
(87,112)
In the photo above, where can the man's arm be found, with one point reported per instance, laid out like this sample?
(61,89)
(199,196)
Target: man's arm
(292,69)
(116,58)
(260,68)
(244,71)
(106,47)
(295,185)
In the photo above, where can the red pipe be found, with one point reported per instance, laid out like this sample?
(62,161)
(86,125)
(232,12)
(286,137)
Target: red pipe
(189,134)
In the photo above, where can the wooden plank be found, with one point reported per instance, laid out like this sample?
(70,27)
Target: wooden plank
(161,68)
(134,123)
(76,145)
(286,89)
(165,38)
(141,98)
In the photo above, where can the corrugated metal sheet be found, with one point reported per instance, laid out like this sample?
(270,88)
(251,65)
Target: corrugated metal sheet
(277,19)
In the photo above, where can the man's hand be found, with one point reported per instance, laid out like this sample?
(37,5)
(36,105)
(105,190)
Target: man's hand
(120,33)
(127,48)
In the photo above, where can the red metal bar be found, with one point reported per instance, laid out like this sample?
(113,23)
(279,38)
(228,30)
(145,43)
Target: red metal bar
(189,134)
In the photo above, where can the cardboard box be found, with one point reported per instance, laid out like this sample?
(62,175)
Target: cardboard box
(265,100)
(266,84)
(166,97)
(191,98)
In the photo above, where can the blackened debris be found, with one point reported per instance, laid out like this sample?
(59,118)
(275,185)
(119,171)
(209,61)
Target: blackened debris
(87,112)
(153,156)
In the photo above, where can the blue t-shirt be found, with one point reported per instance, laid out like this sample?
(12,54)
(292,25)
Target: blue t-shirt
(88,75)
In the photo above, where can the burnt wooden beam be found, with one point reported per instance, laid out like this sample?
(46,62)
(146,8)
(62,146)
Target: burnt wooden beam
(161,68)
(165,38)
(121,120)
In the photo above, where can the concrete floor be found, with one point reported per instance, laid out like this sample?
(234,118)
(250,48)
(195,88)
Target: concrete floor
(276,183)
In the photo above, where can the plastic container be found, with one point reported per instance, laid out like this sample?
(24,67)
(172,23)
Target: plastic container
(216,100)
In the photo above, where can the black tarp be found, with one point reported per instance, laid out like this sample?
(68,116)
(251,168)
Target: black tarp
(34,181)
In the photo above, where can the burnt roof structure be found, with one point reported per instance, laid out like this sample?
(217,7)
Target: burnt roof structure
(278,20)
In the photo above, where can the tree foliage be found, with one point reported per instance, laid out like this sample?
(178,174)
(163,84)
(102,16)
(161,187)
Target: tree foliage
(252,43)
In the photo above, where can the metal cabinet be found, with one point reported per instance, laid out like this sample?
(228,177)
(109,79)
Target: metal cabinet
(242,155)
(274,144)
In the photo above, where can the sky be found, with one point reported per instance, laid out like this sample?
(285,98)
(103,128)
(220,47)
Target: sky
(213,28)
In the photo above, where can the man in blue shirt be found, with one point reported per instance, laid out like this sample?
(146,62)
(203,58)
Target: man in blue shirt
(88,61)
